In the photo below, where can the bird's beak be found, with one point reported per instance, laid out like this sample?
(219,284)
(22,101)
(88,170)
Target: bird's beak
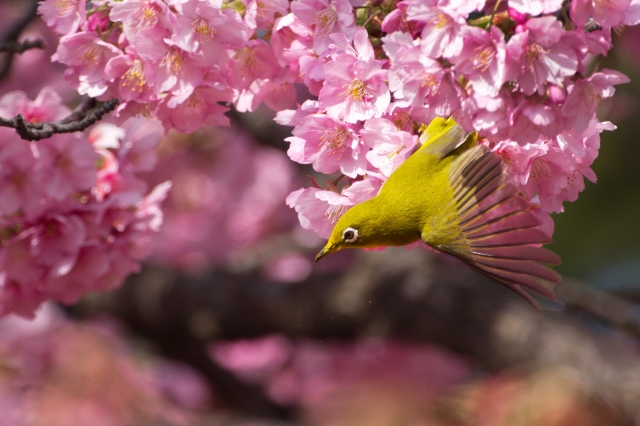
(325,251)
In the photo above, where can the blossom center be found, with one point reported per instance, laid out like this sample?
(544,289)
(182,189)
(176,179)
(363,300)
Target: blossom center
(173,62)
(483,58)
(134,77)
(603,7)
(334,140)
(324,20)
(146,17)
(401,120)
(431,83)
(358,90)
(248,63)
(540,170)
(506,156)
(64,7)
(203,28)
(395,151)
(91,55)
(533,54)
(441,20)
(335,212)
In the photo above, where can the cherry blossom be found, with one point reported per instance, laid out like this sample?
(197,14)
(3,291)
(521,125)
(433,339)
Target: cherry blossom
(63,16)
(540,52)
(482,59)
(328,144)
(520,74)
(390,146)
(354,88)
(325,17)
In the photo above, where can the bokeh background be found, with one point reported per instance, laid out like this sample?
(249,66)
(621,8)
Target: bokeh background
(230,322)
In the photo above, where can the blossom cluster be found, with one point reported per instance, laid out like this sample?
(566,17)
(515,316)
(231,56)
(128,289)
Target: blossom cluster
(74,216)
(175,60)
(373,73)
(61,373)
(218,213)
(519,73)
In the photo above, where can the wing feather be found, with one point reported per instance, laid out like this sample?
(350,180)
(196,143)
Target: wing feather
(499,234)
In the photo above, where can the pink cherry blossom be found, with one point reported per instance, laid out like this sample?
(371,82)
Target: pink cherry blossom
(482,59)
(140,138)
(328,144)
(47,106)
(140,15)
(489,116)
(209,30)
(291,39)
(397,20)
(532,119)
(290,117)
(585,95)
(253,62)
(355,88)
(20,184)
(604,12)
(325,17)
(132,77)
(70,165)
(63,16)
(262,14)
(442,25)
(277,96)
(365,189)
(169,68)
(390,146)
(540,52)
(201,108)
(416,80)
(318,210)
(55,242)
(518,158)
(87,56)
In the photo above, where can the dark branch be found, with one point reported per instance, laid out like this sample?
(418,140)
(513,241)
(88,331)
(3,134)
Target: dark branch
(394,294)
(77,121)
(12,34)
(18,27)
(21,47)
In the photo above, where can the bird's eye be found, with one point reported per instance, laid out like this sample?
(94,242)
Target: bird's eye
(350,235)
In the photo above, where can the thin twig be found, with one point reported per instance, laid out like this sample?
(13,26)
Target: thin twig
(18,27)
(14,32)
(77,121)
(21,47)
(493,14)
(371,18)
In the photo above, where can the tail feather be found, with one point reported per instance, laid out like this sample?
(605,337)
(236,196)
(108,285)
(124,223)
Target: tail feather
(517,220)
(501,236)
(512,237)
(501,209)
(535,254)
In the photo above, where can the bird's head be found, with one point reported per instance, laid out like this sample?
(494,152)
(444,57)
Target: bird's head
(354,229)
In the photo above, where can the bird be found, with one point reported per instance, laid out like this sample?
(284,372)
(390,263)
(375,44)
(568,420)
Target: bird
(455,195)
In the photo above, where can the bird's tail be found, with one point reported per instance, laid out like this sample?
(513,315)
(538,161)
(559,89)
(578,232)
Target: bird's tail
(503,236)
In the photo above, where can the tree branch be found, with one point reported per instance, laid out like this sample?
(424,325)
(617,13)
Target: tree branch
(77,121)
(21,47)
(12,34)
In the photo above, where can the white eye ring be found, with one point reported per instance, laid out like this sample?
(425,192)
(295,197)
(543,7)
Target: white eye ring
(350,235)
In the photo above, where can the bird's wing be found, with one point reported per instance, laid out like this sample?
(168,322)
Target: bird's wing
(501,235)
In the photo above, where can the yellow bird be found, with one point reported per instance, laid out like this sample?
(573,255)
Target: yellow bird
(456,196)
